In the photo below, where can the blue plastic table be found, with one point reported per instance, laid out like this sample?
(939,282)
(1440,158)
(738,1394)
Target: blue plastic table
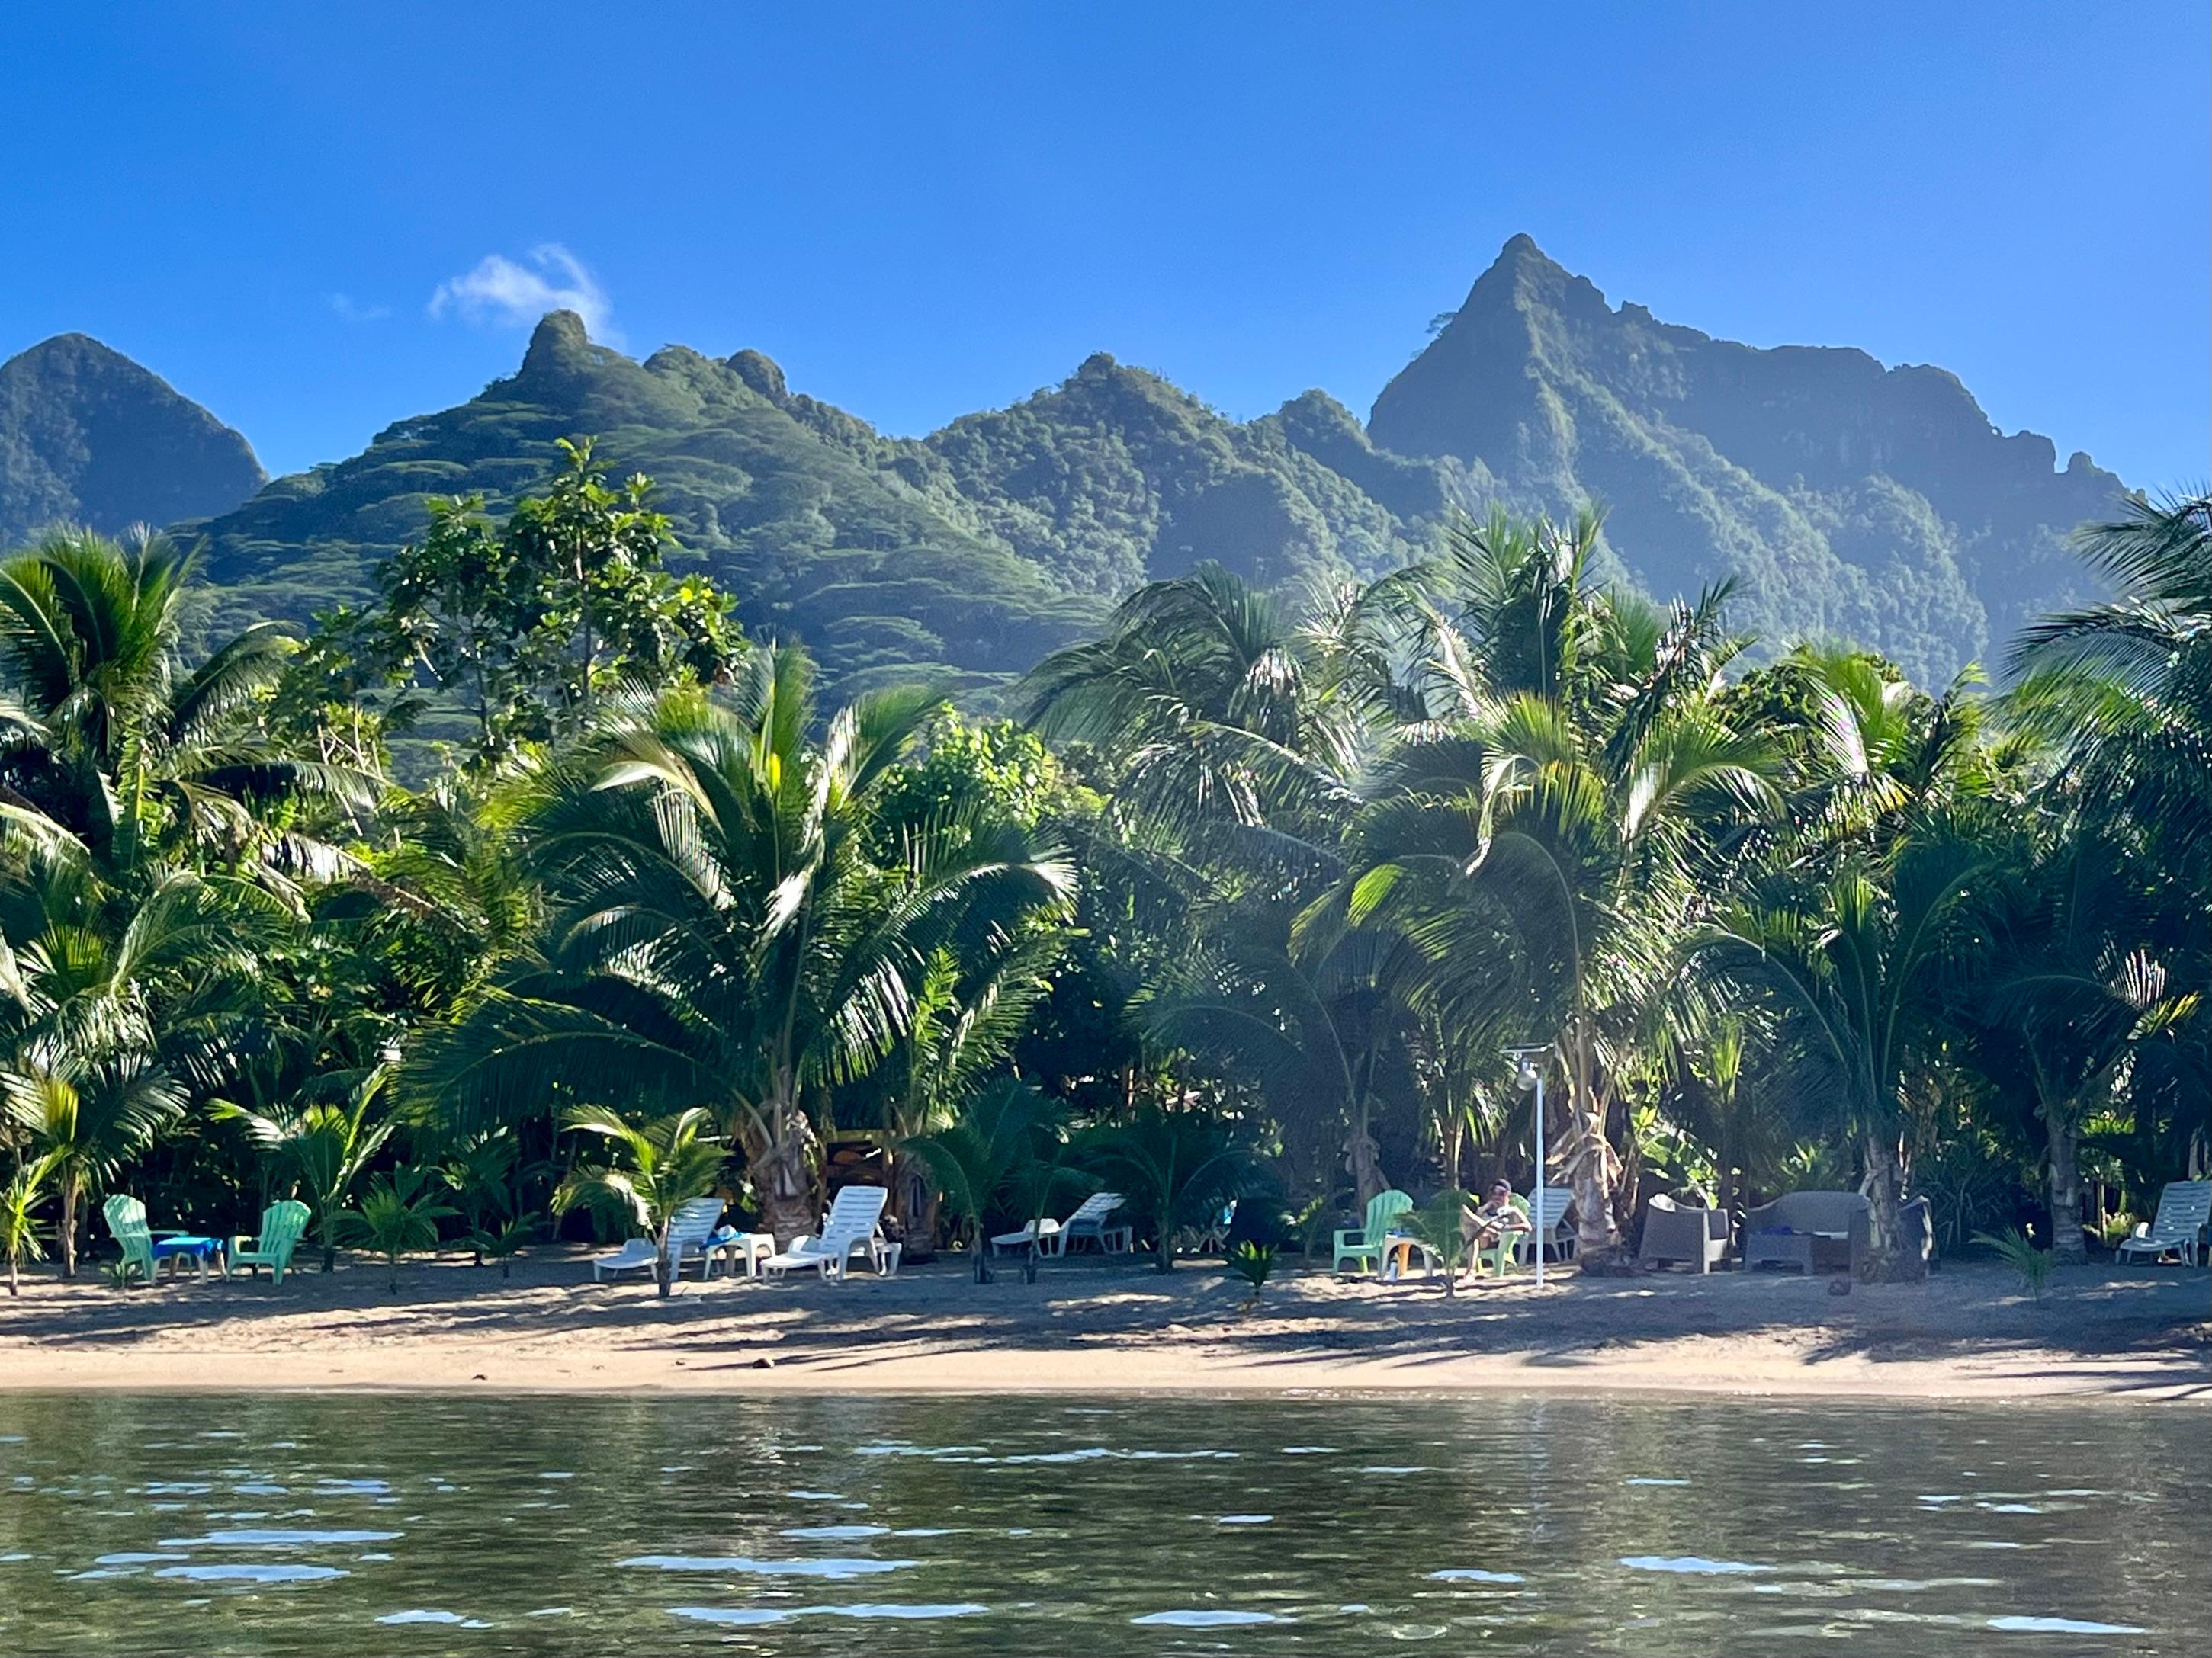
(183,1247)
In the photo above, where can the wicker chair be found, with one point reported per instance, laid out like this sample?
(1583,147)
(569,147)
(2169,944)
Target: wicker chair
(1695,1238)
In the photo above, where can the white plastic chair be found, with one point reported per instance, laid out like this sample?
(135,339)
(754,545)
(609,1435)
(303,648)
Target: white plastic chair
(1050,1238)
(2183,1209)
(849,1228)
(1550,1226)
(688,1229)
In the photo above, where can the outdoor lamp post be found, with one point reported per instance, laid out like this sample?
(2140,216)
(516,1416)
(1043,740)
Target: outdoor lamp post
(1529,1074)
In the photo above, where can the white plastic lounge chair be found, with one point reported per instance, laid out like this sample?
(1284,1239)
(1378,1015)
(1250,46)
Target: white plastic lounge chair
(2183,1210)
(849,1226)
(689,1230)
(1551,1226)
(636,1255)
(1050,1238)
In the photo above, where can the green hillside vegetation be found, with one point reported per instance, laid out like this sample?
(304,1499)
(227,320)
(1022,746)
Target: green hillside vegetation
(807,520)
(962,558)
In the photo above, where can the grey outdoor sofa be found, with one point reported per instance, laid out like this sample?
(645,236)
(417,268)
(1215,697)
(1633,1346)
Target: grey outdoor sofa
(1798,1230)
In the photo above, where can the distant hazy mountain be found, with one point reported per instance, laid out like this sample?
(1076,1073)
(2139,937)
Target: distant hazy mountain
(1876,504)
(1850,500)
(86,436)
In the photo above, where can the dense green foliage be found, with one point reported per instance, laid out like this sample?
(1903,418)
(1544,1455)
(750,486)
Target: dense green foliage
(1246,911)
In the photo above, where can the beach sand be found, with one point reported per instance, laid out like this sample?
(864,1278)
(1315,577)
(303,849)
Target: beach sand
(1111,1325)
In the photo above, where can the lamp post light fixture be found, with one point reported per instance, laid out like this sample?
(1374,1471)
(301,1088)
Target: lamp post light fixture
(1528,1074)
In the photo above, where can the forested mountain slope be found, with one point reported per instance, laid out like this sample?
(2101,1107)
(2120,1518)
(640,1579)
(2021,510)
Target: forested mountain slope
(1872,503)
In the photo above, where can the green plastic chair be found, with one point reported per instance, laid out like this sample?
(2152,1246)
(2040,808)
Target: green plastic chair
(283,1225)
(126,1224)
(1501,1255)
(1364,1243)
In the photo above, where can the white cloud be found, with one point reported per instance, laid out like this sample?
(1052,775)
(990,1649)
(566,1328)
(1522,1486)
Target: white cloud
(353,310)
(500,290)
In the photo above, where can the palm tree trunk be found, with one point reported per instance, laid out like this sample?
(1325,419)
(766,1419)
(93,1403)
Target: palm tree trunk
(662,1266)
(1597,1239)
(2068,1246)
(68,1226)
(1366,1168)
(1886,1260)
(781,1171)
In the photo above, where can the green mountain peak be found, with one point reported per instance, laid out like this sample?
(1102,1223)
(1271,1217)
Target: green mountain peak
(87,436)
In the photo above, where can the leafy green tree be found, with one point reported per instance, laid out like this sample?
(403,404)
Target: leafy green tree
(719,932)
(530,625)
(660,1166)
(397,1216)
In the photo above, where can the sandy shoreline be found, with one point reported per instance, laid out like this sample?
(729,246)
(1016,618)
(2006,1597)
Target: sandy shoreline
(2102,1333)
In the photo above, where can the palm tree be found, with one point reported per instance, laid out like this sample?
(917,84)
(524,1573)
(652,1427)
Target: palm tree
(983,1153)
(321,1138)
(109,741)
(1198,694)
(663,1164)
(1854,970)
(21,1237)
(89,1119)
(1310,1033)
(111,1000)
(719,932)
(1544,839)
(1174,1167)
(963,1023)
(2126,686)
(2062,998)
(398,1216)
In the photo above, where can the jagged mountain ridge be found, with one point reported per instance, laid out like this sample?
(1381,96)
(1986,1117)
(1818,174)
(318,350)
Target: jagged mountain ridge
(965,555)
(87,436)
(1850,500)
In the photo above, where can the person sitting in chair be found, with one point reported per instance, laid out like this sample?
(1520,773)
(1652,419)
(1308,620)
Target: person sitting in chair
(1497,1216)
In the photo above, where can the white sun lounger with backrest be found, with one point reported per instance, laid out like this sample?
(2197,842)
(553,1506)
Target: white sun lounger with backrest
(693,1223)
(2183,1210)
(849,1226)
(1050,1238)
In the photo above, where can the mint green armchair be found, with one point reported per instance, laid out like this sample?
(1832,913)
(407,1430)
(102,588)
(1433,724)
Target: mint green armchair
(1363,1245)
(283,1225)
(126,1223)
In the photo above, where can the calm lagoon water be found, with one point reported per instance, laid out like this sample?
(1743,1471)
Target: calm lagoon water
(385,1524)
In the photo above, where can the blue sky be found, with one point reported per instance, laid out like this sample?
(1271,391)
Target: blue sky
(318,220)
